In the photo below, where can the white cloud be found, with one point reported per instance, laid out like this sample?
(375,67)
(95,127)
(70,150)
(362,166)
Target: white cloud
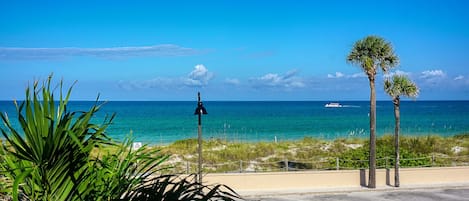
(459,77)
(199,76)
(232,81)
(342,75)
(357,75)
(287,81)
(337,75)
(397,72)
(15,53)
(431,74)
(432,77)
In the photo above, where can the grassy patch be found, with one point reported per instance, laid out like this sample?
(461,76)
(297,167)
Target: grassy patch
(312,153)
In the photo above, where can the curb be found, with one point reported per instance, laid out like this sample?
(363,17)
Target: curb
(329,191)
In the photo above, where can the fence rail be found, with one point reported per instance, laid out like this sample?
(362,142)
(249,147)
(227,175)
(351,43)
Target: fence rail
(315,164)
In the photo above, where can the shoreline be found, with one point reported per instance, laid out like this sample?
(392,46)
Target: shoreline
(276,139)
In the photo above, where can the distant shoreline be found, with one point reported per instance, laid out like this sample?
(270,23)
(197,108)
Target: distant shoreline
(332,100)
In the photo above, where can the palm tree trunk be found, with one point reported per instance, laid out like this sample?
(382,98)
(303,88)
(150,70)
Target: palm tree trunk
(396,140)
(372,173)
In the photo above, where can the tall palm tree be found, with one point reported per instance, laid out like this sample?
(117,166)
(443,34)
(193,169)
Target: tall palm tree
(371,54)
(400,85)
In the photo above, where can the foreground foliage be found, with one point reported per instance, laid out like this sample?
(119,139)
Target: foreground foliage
(174,187)
(48,157)
(51,156)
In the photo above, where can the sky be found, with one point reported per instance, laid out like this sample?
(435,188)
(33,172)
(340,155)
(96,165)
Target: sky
(230,50)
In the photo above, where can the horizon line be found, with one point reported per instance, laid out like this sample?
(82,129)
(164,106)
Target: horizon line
(381,100)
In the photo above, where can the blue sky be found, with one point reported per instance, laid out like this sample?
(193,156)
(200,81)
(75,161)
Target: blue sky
(229,50)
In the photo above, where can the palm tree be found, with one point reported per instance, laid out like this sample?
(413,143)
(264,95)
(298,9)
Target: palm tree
(371,54)
(399,85)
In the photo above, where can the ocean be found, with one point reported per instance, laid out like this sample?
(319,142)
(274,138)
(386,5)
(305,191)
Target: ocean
(163,122)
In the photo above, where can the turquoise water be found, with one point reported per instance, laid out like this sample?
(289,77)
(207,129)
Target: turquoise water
(165,122)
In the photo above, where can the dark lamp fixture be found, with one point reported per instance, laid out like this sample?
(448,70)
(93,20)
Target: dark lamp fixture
(200,108)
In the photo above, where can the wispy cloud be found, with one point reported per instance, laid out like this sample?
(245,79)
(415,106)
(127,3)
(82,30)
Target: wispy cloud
(198,77)
(397,72)
(16,53)
(287,81)
(357,75)
(336,75)
(459,77)
(158,82)
(232,81)
(431,74)
(342,75)
(432,77)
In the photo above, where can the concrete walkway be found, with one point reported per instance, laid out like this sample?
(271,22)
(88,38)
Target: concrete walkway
(402,194)
(310,182)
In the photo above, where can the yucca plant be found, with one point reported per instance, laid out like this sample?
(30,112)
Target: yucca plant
(48,157)
(124,173)
(122,170)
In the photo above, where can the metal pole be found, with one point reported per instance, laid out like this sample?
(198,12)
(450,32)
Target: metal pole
(199,171)
(199,141)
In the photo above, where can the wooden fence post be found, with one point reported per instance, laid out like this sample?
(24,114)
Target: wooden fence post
(337,167)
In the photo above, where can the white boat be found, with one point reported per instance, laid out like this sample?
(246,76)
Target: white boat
(333,105)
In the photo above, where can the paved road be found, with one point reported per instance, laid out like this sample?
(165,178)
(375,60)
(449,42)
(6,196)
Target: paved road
(441,194)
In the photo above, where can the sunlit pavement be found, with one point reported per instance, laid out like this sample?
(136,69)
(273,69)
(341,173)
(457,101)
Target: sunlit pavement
(405,194)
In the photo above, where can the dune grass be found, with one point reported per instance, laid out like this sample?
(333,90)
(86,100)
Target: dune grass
(223,156)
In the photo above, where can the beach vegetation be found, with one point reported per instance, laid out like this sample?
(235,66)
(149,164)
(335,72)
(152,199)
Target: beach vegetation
(371,54)
(317,154)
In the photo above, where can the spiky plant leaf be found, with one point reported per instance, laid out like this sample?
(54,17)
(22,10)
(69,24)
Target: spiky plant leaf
(52,145)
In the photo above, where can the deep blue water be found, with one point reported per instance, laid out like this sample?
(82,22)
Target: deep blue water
(165,122)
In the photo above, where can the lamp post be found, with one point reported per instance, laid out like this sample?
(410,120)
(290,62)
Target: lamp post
(200,110)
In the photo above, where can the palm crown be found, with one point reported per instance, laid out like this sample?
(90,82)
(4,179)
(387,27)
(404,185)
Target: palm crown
(400,85)
(371,52)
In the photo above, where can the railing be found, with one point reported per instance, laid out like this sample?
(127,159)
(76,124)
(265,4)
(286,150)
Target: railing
(317,164)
